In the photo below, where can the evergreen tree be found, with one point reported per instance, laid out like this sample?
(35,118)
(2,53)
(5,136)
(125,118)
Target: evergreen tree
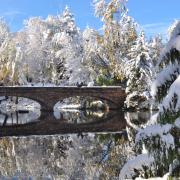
(138,73)
(167,84)
(68,23)
(155,48)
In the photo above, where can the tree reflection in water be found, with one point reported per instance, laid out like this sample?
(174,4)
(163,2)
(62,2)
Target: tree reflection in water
(61,157)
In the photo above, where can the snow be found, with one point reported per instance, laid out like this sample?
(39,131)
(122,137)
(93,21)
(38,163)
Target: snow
(168,139)
(164,76)
(174,29)
(174,39)
(177,123)
(144,149)
(69,106)
(165,177)
(153,119)
(90,84)
(153,130)
(176,43)
(157,130)
(168,100)
(127,172)
(62,38)
(40,84)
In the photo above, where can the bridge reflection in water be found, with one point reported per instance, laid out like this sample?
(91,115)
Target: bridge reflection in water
(46,124)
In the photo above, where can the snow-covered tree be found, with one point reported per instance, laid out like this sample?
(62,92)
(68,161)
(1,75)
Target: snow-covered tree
(119,34)
(47,45)
(71,49)
(167,84)
(138,73)
(92,55)
(4,31)
(155,149)
(155,48)
(7,56)
(36,55)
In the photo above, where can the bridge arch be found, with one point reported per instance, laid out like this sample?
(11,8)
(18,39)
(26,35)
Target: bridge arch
(43,105)
(18,110)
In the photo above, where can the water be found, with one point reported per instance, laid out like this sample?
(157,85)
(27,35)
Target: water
(75,144)
(68,122)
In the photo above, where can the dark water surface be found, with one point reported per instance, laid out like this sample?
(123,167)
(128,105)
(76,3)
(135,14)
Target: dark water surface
(66,122)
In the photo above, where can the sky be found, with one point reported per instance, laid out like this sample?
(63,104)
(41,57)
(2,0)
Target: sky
(154,16)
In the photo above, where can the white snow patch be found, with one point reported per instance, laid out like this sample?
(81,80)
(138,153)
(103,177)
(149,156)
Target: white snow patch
(157,130)
(165,177)
(40,84)
(152,130)
(164,76)
(127,171)
(177,43)
(153,119)
(177,122)
(174,89)
(69,106)
(144,150)
(174,30)
(90,84)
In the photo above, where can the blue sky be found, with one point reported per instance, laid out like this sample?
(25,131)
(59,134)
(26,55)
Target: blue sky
(153,15)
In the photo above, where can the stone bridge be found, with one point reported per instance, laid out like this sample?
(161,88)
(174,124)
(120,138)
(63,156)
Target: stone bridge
(47,97)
